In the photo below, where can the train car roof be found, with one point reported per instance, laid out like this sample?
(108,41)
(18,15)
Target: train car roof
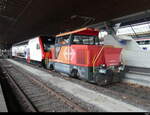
(26,41)
(144,39)
(82,31)
(21,43)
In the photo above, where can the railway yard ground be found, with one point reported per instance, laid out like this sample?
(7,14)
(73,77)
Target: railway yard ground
(40,90)
(3,107)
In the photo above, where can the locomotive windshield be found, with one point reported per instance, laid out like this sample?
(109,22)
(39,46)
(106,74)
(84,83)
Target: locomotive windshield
(85,40)
(47,43)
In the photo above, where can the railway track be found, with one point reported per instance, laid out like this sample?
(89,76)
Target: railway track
(38,97)
(126,89)
(130,93)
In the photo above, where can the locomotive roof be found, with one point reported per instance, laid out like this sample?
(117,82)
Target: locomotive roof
(83,31)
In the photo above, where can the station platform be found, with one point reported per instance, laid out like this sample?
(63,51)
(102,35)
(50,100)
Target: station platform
(3,107)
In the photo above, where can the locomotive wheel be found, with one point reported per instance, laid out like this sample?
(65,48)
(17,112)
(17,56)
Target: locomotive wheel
(103,80)
(74,73)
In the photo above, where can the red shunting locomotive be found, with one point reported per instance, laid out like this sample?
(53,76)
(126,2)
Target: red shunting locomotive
(79,54)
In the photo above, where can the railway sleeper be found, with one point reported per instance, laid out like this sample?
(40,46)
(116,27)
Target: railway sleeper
(41,99)
(46,110)
(33,88)
(37,96)
(42,103)
(35,93)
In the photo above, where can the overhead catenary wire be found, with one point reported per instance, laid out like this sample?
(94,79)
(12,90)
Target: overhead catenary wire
(17,18)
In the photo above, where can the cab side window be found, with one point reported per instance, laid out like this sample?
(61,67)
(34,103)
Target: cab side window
(77,40)
(64,40)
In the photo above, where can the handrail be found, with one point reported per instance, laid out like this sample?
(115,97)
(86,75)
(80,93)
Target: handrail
(97,58)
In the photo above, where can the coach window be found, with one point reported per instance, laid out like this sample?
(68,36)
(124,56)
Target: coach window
(147,42)
(37,46)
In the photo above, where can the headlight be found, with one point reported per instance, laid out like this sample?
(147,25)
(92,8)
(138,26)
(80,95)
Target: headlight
(103,71)
(103,65)
(121,68)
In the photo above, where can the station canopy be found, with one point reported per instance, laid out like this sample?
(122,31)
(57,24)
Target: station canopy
(24,19)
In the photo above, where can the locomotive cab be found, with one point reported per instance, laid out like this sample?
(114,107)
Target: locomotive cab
(80,54)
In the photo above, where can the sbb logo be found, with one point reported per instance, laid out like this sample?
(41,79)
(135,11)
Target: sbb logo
(69,53)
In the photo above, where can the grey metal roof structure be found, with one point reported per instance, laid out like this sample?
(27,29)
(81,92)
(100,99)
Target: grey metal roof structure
(24,19)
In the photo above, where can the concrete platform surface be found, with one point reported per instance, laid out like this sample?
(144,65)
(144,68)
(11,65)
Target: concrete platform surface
(143,80)
(3,107)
